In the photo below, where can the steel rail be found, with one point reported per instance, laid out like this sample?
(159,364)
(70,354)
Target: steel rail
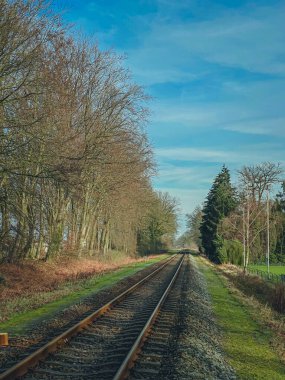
(22,367)
(129,361)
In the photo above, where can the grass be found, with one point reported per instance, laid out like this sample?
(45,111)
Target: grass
(21,317)
(245,341)
(275,269)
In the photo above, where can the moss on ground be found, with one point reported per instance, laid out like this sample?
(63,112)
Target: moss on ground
(245,341)
(67,295)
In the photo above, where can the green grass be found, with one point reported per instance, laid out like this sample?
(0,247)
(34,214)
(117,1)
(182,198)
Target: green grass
(276,269)
(246,342)
(66,295)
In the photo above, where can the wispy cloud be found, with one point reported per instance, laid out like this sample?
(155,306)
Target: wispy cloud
(216,71)
(244,155)
(191,154)
(250,39)
(253,108)
(173,175)
(260,126)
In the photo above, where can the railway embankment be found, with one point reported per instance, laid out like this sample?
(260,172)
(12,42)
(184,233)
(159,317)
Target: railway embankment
(252,334)
(193,349)
(199,351)
(44,305)
(29,285)
(206,328)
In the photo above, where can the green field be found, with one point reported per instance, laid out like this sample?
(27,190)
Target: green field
(276,269)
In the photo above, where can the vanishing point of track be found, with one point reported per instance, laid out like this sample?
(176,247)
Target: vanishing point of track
(107,343)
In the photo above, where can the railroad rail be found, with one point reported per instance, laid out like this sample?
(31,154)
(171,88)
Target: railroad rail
(156,358)
(130,359)
(106,343)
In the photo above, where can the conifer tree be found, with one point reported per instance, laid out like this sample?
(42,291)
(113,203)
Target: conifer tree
(220,202)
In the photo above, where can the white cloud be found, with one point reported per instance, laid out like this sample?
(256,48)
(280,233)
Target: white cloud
(191,154)
(192,115)
(270,126)
(250,39)
(150,75)
(182,175)
(251,108)
(243,154)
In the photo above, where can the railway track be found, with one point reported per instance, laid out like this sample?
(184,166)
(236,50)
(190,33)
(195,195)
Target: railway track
(157,357)
(106,344)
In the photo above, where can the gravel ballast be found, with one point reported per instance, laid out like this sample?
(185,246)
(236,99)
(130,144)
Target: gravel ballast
(197,347)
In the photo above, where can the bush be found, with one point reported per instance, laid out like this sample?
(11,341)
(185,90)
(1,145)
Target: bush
(273,258)
(235,252)
(229,251)
(219,244)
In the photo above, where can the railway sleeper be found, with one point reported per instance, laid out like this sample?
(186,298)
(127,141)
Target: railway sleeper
(158,342)
(145,373)
(56,374)
(79,366)
(83,345)
(66,364)
(142,364)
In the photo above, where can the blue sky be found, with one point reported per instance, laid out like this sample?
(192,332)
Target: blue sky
(216,72)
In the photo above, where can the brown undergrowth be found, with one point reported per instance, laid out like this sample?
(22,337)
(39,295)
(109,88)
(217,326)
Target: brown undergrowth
(255,294)
(32,277)
(267,293)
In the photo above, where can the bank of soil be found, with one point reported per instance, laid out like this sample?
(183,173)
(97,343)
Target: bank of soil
(25,336)
(214,335)
(246,339)
(33,277)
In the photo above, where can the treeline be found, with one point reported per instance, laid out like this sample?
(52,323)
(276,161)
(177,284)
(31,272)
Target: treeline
(75,162)
(242,224)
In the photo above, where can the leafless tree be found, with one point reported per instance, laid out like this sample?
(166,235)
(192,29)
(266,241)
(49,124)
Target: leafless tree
(75,163)
(250,218)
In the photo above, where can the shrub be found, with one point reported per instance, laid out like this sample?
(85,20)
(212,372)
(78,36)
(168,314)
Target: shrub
(235,251)
(229,251)
(221,250)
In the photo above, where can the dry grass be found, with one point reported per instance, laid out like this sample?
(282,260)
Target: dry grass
(249,290)
(267,293)
(278,300)
(33,277)
(41,289)
(253,334)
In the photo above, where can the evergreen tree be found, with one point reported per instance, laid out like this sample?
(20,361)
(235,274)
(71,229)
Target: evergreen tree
(279,218)
(220,201)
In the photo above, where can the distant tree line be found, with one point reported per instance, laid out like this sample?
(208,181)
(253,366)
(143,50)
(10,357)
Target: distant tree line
(75,162)
(191,238)
(236,224)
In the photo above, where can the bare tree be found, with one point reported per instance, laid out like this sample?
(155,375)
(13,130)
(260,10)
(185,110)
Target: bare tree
(75,163)
(256,182)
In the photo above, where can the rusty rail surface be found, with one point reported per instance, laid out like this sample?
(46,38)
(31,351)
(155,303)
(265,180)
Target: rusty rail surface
(128,363)
(22,367)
